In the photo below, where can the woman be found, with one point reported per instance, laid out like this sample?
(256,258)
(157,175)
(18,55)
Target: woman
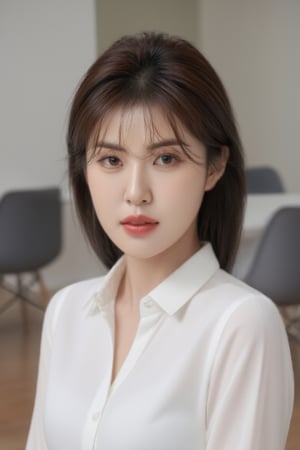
(168,350)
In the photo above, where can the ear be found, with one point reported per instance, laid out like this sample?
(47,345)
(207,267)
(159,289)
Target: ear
(216,169)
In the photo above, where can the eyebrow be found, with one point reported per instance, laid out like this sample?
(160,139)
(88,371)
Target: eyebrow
(167,143)
(151,147)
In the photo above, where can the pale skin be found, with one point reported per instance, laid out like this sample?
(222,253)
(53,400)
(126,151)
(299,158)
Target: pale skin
(147,174)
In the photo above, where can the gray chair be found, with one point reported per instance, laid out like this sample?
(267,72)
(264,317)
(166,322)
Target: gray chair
(275,269)
(263,180)
(30,238)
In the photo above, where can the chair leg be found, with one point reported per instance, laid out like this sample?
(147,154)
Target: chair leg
(45,294)
(21,292)
(11,300)
(291,318)
(8,304)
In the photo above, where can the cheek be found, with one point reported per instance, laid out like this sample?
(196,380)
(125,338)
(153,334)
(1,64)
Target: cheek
(188,192)
(100,194)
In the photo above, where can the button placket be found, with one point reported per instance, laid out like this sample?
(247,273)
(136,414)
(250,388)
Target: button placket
(148,303)
(148,306)
(103,395)
(96,416)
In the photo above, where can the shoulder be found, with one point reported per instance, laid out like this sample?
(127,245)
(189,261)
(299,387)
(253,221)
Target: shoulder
(72,299)
(230,293)
(237,309)
(248,316)
(256,317)
(251,305)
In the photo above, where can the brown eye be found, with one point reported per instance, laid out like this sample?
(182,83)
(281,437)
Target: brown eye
(166,159)
(113,161)
(110,161)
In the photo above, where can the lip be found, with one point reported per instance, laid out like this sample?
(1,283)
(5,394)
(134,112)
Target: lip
(139,225)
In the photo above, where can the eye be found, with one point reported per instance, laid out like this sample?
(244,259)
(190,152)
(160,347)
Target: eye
(167,159)
(110,161)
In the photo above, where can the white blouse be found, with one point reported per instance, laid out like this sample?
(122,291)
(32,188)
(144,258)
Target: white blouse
(209,368)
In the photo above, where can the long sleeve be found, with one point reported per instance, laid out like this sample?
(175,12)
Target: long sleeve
(36,436)
(250,397)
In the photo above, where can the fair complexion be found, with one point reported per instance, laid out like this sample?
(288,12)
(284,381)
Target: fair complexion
(147,193)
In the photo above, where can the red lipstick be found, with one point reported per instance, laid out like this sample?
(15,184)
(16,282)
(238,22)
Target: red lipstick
(139,225)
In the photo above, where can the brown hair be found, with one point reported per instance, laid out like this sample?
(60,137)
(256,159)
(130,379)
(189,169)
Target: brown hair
(156,69)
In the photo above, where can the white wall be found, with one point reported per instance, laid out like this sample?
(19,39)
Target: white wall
(254,47)
(117,17)
(45,48)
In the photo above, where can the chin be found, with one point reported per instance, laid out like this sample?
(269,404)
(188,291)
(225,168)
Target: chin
(144,252)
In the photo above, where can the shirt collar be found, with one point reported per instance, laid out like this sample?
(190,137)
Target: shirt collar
(109,289)
(177,289)
(172,293)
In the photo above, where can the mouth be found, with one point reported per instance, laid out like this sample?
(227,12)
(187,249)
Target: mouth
(138,220)
(139,225)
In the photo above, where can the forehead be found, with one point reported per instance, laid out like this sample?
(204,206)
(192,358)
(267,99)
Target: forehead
(140,129)
(142,122)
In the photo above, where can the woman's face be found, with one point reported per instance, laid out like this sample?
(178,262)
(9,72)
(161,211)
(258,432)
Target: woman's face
(145,190)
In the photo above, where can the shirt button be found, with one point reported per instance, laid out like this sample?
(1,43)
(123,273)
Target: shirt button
(96,416)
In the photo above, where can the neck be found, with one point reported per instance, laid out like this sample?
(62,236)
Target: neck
(143,275)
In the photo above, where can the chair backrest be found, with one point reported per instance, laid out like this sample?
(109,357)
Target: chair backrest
(275,269)
(30,229)
(263,180)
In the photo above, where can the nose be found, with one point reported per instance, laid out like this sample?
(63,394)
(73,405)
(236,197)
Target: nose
(137,189)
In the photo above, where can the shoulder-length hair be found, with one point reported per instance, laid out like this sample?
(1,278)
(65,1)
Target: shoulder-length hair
(156,69)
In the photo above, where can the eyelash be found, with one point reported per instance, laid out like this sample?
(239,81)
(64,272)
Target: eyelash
(106,161)
(112,161)
(171,156)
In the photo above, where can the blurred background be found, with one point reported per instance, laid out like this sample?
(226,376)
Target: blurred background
(46,47)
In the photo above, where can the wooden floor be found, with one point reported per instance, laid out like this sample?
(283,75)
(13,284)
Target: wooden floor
(19,348)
